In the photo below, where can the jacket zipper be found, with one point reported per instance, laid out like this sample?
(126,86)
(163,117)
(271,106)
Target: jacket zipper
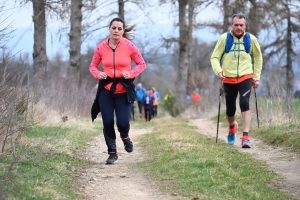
(114,59)
(238,63)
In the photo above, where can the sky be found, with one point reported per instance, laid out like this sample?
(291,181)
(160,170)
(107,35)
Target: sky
(163,19)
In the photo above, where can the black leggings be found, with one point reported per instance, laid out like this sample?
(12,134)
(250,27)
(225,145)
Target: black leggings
(114,105)
(231,91)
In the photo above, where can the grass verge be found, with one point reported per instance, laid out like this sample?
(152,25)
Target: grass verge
(279,128)
(49,158)
(187,163)
(276,127)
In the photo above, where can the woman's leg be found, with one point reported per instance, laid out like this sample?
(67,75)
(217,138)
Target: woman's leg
(107,102)
(122,108)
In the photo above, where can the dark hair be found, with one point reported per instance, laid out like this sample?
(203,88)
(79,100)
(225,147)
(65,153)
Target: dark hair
(126,33)
(239,16)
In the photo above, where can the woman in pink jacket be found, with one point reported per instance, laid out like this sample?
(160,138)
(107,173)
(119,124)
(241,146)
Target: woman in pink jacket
(116,83)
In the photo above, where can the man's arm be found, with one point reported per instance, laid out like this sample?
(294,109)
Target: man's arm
(217,54)
(257,58)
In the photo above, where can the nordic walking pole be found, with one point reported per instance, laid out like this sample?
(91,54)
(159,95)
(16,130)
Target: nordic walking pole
(256,107)
(221,84)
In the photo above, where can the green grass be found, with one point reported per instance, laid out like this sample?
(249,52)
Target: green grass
(285,135)
(185,162)
(48,170)
(296,104)
(182,161)
(47,178)
(44,132)
(275,127)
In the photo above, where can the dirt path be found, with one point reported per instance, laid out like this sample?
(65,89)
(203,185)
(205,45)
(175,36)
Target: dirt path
(121,182)
(279,160)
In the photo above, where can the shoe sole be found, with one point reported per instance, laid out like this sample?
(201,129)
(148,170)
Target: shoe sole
(111,163)
(246,146)
(129,150)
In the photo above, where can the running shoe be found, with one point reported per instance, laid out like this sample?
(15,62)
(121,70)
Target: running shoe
(112,159)
(246,142)
(128,144)
(231,133)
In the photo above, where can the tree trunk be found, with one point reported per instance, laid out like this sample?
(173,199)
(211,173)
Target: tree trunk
(253,19)
(121,9)
(191,66)
(39,47)
(239,6)
(4,67)
(75,38)
(184,35)
(226,15)
(289,68)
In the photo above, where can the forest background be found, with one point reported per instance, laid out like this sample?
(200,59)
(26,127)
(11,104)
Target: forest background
(163,29)
(176,39)
(44,64)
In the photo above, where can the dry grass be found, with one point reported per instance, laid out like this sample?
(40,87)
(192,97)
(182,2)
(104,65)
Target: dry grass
(67,98)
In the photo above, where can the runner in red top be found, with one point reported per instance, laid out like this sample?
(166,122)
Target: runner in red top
(116,54)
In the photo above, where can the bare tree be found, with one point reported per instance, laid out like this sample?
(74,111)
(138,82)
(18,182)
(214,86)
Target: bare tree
(190,50)
(75,37)
(183,63)
(253,22)
(39,47)
(40,59)
(121,12)
(284,15)
(289,55)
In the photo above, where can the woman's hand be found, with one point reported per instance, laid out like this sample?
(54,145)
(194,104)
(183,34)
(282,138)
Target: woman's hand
(102,75)
(126,74)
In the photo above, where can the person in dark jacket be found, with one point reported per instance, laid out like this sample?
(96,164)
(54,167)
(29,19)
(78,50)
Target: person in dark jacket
(113,96)
(148,106)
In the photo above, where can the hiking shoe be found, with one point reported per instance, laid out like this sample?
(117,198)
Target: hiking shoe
(231,134)
(246,142)
(128,144)
(112,159)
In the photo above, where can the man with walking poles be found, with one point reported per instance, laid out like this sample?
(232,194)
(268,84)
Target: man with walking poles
(237,61)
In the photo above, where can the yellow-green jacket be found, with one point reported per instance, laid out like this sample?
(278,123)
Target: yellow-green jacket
(237,62)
